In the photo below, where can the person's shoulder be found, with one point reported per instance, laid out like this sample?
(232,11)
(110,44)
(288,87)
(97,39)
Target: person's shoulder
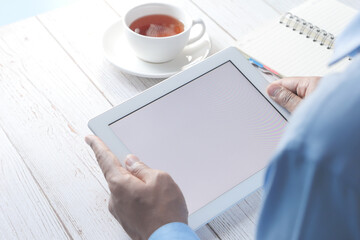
(331,109)
(325,130)
(333,113)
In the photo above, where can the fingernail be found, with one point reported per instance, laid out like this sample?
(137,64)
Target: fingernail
(87,140)
(273,90)
(131,160)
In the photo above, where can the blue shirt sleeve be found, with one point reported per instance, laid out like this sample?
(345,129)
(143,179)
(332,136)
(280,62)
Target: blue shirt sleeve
(312,188)
(174,231)
(348,43)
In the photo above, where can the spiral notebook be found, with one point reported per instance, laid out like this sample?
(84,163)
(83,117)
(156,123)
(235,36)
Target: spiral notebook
(301,41)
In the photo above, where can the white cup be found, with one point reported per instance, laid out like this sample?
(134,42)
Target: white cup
(160,49)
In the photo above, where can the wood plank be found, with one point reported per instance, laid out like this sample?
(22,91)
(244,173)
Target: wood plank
(81,37)
(58,80)
(206,233)
(85,46)
(239,222)
(283,6)
(238,17)
(63,24)
(24,210)
(352,3)
(45,102)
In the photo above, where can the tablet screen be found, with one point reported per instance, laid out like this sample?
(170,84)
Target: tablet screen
(209,135)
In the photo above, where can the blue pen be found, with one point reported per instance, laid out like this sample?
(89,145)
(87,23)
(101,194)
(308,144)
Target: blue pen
(262,66)
(251,60)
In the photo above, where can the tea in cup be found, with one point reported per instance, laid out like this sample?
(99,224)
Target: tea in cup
(158,32)
(157,25)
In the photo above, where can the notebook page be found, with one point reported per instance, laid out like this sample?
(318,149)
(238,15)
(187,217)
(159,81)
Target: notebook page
(292,54)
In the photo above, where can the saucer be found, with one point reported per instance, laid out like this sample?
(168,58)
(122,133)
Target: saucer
(118,51)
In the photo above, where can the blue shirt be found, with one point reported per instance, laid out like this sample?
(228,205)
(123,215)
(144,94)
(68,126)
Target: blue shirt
(312,186)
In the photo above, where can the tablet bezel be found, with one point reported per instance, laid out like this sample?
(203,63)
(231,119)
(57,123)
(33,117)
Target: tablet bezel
(100,124)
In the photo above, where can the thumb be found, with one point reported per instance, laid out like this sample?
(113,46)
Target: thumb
(283,96)
(137,168)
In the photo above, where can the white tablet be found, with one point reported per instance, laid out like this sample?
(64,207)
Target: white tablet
(212,127)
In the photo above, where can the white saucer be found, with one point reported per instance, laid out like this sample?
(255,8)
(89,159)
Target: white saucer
(118,52)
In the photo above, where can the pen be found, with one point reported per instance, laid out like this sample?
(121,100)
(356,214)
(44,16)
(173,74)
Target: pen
(260,65)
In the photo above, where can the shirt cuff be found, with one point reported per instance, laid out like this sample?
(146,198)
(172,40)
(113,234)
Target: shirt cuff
(174,231)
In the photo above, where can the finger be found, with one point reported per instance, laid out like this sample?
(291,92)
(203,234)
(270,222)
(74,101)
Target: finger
(283,96)
(299,85)
(108,162)
(138,168)
(291,83)
(111,206)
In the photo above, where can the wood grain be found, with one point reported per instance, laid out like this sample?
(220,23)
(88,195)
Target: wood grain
(283,6)
(45,104)
(238,17)
(239,222)
(24,210)
(80,35)
(206,233)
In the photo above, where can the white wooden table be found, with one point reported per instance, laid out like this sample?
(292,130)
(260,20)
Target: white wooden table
(53,79)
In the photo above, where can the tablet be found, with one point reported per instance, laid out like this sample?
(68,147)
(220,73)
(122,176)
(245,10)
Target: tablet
(212,127)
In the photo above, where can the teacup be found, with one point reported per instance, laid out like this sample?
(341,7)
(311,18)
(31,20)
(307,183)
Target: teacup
(160,49)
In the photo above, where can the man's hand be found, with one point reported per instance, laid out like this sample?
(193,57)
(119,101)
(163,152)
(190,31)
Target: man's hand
(142,199)
(289,92)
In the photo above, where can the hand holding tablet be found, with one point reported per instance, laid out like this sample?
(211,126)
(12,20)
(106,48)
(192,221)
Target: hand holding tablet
(151,192)
(211,127)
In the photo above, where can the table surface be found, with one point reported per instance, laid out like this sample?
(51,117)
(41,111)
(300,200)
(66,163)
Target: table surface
(53,79)
(10,11)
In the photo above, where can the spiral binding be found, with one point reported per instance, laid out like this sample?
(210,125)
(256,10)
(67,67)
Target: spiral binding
(308,29)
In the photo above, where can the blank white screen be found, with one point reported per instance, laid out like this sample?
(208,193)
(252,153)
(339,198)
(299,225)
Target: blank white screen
(209,135)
